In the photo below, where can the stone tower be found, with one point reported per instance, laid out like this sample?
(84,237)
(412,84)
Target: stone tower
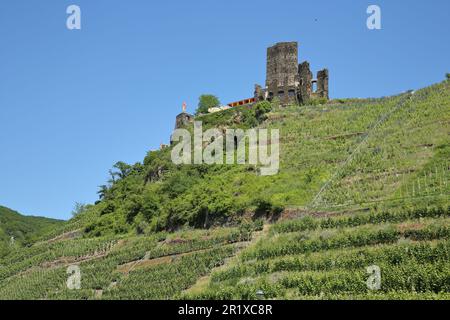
(289,81)
(183,118)
(282,73)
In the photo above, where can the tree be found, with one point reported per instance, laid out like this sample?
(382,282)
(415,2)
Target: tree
(123,171)
(207,101)
(448,76)
(102,192)
(79,208)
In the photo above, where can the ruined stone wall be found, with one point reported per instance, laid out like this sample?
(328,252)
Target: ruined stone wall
(305,82)
(289,81)
(259,93)
(322,84)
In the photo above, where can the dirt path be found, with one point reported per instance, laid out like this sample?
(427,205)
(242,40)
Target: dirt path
(203,282)
(63,236)
(146,262)
(69,260)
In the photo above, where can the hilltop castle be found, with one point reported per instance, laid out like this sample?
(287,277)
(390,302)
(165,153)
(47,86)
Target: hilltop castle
(288,80)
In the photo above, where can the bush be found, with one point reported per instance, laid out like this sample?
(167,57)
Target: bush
(266,208)
(261,108)
(317,101)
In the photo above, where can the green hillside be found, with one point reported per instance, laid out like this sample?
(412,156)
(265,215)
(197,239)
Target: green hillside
(23,229)
(362,182)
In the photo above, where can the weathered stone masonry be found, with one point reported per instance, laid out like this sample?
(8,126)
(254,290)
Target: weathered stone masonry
(289,81)
(183,119)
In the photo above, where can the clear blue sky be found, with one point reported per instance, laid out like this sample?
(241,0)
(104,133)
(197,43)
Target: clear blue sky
(72,103)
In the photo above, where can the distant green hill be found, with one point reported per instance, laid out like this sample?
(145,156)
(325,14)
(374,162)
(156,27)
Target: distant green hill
(23,229)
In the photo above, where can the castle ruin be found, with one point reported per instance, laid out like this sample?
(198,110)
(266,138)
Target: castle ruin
(288,80)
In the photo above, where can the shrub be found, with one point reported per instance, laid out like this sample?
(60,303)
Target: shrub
(317,101)
(266,208)
(207,101)
(261,108)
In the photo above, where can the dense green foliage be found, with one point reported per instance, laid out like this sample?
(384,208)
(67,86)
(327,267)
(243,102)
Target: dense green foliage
(206,101)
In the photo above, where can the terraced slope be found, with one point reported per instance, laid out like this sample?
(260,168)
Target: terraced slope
(362,184)
(327,258)
(160,266)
